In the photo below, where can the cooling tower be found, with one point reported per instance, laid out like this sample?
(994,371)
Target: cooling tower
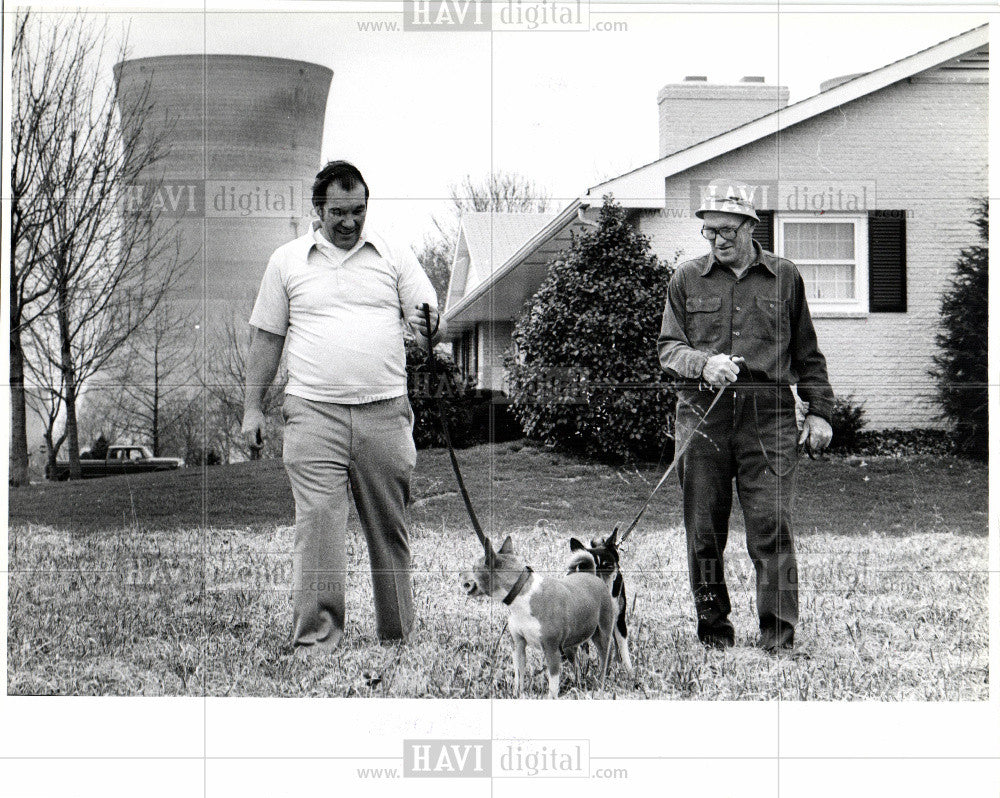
(242,137)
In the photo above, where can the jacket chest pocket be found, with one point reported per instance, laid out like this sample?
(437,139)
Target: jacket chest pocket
(704,320)
(771,321)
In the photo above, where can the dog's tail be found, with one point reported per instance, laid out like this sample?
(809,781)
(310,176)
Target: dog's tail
(582,561)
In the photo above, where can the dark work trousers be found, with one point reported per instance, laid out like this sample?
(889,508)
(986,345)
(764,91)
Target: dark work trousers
(750,435)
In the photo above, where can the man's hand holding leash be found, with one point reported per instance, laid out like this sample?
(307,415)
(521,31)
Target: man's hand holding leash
(420,316)
(721,370)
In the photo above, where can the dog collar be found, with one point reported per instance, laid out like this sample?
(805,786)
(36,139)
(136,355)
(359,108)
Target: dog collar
(522,580)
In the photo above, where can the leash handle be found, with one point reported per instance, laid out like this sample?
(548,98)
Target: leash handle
(442,414)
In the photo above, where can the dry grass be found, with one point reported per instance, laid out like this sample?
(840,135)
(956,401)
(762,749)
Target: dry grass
(147,607)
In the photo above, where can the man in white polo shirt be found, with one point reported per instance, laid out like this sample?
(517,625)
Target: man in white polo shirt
(336,300)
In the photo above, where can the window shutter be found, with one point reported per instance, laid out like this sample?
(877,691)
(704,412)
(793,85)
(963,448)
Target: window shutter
(887,261)
(763,233)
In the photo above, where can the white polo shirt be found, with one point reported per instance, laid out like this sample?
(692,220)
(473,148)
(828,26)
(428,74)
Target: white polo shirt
(341,313)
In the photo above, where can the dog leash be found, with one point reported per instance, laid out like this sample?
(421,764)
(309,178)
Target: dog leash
(443,415)
(670,468)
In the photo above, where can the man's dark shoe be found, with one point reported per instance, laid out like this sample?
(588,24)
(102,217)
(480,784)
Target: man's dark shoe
(720,635)
(775,640)
(717,641)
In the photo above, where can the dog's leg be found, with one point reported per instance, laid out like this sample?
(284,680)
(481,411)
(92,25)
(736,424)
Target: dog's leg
(519,664)
(604,635)
(573,655)
(553,661)
(621,643)
(621,626)
(605,658)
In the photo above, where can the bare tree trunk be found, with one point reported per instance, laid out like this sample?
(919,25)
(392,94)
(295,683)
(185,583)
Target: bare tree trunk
(69,378)
(156,403)
(52,455)
(18,409)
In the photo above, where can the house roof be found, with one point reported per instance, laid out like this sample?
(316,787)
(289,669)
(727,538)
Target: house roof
(493,237)
(643,187)
(486,240)
(517,277)
(526,244)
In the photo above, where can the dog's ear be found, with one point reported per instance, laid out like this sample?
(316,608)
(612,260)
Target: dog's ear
(576,545)
(613,540)
(508,546)
(491,556)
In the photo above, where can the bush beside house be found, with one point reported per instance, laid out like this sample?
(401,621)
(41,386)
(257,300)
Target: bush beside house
(961,366)
(583,370)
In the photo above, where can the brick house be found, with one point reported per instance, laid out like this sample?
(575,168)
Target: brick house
(868,186)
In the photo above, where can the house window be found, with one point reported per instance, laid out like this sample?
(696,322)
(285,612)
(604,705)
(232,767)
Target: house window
(831,253)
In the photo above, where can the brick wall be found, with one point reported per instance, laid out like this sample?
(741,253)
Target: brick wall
(693,111)
(924,143)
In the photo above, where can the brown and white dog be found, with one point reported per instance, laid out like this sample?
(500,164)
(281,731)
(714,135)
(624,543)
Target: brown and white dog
(554,615)
(601,557)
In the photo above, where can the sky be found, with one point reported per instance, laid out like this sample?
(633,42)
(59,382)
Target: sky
(417,110)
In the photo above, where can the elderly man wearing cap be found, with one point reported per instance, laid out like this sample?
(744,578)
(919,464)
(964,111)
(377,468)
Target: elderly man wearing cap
(737,319)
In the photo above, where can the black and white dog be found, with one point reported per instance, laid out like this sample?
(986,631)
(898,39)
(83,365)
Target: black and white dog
(601,557)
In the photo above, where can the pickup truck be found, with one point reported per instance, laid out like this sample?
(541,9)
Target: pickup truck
(119,460)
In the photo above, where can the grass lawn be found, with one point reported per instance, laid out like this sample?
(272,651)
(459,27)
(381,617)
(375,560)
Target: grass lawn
(177,584)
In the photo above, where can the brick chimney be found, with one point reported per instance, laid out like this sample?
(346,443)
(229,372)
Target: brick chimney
(695,110)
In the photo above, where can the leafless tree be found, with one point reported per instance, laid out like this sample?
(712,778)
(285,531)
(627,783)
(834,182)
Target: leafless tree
(102,415)
(104,265)
(435,255)
(45,398)
(188,434)
(156,365)
(29,292)
(225,382)
(502,192)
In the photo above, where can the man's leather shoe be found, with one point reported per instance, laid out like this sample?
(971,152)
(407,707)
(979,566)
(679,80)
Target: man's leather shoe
(774,640)
(720,635)
(719,641)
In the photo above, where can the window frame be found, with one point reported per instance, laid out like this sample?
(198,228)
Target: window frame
(833,308)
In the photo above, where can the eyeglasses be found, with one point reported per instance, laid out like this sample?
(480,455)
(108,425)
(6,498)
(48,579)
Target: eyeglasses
(727,233)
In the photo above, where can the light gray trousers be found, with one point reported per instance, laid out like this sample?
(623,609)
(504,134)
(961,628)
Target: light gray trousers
(331,450)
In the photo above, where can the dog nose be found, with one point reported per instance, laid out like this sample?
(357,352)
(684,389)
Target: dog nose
(468,584)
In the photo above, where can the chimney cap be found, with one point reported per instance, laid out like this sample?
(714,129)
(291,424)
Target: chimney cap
(752,79)
(696,78)
(834,82)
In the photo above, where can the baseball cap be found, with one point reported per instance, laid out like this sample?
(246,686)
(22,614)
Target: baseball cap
(728,204)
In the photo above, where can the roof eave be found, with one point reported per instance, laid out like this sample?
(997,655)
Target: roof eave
(793,114)
(553,228)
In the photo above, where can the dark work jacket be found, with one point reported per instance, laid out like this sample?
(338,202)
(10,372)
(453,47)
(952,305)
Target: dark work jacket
(763,317)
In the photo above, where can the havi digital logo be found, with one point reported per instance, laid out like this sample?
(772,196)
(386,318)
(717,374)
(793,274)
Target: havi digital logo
(483,15)
(436,759)
(447,15)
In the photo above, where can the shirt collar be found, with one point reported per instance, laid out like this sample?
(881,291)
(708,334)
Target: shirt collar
(760,256)
(314,238)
